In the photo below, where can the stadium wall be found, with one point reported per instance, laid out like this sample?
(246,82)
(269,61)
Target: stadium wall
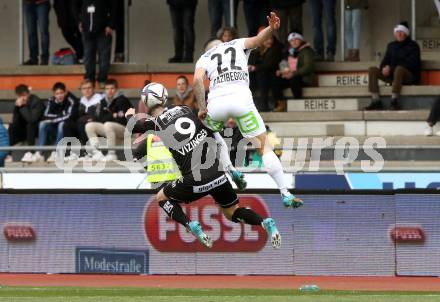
(369,233)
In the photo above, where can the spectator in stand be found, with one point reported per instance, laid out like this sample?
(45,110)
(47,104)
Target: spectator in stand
(86,113)
(4,142)
(226,34)
(353,21)
(290,13)
(37,19)
(67,13)
(401,65)
(218,9)
(296,71)
(120,31)
(58,110)
(97,21)
(329,8)
(184,94)
(182,17)
(109,120)
(27,113)
(263,63)
(255,12)
(433,118)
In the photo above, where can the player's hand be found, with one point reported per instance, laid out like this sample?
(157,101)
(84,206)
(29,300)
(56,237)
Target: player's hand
(129,112)
(202,114)
(274,21)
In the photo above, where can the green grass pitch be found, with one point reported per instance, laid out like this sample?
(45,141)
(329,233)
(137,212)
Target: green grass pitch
(75,294)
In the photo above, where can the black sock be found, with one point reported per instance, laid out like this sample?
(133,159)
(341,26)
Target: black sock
(247,216)
(175,211)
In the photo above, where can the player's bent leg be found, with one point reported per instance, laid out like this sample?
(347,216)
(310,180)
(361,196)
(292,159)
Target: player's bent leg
(238,214)
(225,160)
(275,170)
(173,209)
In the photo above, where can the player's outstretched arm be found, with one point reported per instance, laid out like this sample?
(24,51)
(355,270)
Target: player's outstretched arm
(254,42)
(199,90)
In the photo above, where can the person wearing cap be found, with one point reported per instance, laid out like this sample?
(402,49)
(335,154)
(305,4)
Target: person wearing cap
(400,66)
(296,71)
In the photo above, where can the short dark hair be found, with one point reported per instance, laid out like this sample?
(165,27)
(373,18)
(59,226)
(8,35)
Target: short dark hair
(21,89)
(111,82)
(59,85)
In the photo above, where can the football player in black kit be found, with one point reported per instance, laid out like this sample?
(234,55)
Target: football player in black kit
(195,151)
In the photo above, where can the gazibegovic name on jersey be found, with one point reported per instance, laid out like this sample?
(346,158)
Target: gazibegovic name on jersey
(231,76)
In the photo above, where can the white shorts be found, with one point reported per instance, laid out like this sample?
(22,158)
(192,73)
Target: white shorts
(238,106)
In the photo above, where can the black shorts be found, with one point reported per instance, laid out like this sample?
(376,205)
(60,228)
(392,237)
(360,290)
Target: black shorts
(220,189)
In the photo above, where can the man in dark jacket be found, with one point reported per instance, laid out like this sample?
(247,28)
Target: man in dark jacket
(400,66)
(263,63)
(97,21)
(109,119)
(67,12)
(58,110)
(27,113)
(290,13)
(302,76)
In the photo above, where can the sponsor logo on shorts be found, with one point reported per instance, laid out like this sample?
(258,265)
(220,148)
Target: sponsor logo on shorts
(16,232)
(407,234)
(165,235)
(91,260)
(211,185)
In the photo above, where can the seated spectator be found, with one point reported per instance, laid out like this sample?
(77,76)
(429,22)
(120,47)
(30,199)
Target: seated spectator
(37,21)
(296,72)
(433,118)
(27,113)
(353,21)
(263,63)
(109,120)
(76,127)
(4,142)
(227,33)
(58,110)
(400,66)
(184,94)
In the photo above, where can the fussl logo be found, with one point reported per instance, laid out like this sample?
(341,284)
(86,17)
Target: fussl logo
(165,235)
(17,232)
(407,234)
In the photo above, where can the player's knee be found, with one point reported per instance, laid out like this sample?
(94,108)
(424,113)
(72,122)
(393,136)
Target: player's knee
(229,212)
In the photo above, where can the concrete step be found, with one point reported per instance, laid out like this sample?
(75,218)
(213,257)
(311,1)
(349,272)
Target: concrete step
(324,104)
(338,92)
(348,128)
(434,21)
(428,32)
(431,55)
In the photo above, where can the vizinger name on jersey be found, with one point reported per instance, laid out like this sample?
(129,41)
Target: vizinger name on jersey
(190,142)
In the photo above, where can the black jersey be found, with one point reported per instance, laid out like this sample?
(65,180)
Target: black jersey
(192,145)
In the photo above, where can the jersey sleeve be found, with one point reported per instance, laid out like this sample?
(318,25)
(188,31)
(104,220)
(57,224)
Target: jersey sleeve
(202,62)
(240,43)
(144,125)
